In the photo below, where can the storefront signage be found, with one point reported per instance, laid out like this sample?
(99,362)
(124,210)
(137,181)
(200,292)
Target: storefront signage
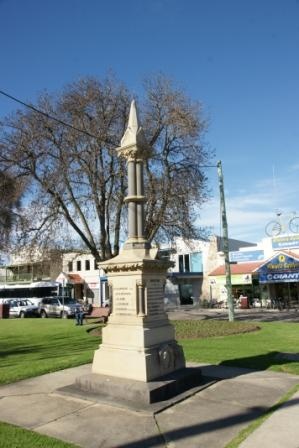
(248,255)
(281,269)
(285,242)
(286,277)
(236,279)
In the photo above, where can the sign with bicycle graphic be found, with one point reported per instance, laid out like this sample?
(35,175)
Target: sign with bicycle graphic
(283,224)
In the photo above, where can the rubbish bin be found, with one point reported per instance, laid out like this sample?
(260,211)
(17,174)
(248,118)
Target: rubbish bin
(4,311)
(244,303)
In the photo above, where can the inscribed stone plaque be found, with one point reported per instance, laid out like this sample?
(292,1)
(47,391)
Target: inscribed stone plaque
(123,299)
(155,294)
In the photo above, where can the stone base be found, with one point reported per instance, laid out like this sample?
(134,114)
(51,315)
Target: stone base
(152,396)
(140,364)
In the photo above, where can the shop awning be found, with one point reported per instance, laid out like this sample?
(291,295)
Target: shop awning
(237,269)
(241,274)
(74,279)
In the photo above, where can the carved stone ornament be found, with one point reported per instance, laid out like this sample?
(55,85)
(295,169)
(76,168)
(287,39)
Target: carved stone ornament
(166,357)
(142,265)
(132,152)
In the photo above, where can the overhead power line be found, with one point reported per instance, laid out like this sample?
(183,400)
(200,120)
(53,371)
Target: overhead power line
(29,106)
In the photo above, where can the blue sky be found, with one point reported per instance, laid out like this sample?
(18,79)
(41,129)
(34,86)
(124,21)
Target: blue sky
(239,58)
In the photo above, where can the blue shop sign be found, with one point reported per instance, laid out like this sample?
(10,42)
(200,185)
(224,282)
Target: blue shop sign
(279,277)
(285,242)
(280,269)
(248,255)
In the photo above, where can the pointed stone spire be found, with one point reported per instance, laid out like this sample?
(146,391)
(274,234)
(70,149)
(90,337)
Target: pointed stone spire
(133,122)
(134,144)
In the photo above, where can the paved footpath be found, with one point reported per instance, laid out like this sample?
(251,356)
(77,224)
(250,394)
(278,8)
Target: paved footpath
(210,418)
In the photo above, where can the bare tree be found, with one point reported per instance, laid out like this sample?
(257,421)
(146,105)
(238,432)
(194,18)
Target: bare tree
(10,196)
(76,182)
(177,185)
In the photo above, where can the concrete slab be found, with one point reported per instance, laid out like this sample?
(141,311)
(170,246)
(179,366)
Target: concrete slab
(199,422)
(281,429)
(32,410)
(106,427)
(47,383)
(210,418)
(213,416)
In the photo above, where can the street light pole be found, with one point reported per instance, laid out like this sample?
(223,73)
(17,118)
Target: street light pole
(228,285)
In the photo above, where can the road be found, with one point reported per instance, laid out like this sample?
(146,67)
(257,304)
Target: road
(253,314)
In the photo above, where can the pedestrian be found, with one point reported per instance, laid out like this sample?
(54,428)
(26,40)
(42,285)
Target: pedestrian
(79,314)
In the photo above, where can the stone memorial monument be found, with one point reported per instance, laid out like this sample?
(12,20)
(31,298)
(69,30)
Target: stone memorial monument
(139,359)
(139,341)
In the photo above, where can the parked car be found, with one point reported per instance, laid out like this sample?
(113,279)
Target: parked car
(22,308)
(58,307)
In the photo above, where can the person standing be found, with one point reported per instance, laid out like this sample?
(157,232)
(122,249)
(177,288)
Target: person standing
(79,314)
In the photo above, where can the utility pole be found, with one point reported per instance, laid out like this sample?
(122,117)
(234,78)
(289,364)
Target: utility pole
(228,284)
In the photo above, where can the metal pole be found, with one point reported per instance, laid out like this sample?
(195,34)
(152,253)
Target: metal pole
(63,297)
(228,285)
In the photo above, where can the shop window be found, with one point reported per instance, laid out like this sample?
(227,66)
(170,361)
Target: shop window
(196,262)
(187,263)
(78,265)
(70,266)
(191,262)
(181,263)
(87,265)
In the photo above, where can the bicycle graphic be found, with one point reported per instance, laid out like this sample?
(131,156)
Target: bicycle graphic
(278,226)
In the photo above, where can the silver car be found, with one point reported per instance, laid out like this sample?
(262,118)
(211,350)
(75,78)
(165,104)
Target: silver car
(58,307)
(22,308)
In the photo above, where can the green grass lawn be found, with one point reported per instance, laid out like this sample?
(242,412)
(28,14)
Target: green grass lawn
(14,437)
(31,347)
(256,350)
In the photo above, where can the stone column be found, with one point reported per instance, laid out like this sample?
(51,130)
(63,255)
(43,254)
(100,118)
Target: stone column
(135,150)
(140,194)
(132,218)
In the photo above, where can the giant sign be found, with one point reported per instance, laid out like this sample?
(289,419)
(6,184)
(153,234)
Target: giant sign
(280,269)
(279,277)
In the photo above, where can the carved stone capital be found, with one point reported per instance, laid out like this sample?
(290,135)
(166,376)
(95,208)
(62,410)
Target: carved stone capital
(138,199)
(133,152)
(142,265)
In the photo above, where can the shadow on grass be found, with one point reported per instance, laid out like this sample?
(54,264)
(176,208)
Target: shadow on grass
(259,362)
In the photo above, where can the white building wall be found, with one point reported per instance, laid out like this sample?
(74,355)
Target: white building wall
(200,282)
(91,276)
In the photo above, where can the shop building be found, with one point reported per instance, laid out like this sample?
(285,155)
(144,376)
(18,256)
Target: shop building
(188,281)
(89,283)
(267,274)
(279,280)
